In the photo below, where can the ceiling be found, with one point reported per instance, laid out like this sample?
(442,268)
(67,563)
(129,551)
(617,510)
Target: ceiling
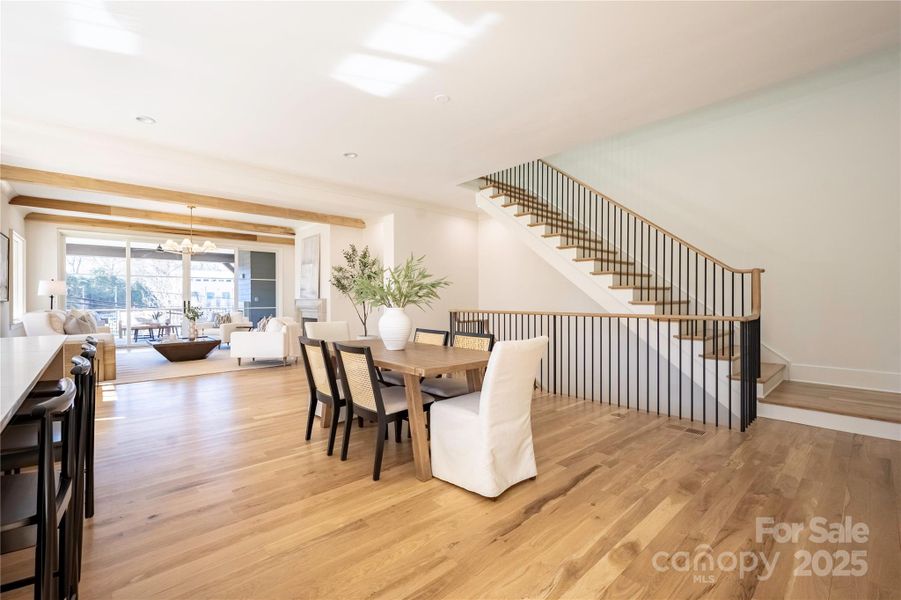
(291,87)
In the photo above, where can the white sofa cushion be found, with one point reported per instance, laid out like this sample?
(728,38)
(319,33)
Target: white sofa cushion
(76,325)
(44,322)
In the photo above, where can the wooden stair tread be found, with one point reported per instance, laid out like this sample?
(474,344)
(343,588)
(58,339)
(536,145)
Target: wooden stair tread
(708,335)
(607,261)
(767,372)
(722,355)
(533,206)
(849,402)
(656,302)
(535,214)
(560,224)
(633,286)
(624,273)
(591,258)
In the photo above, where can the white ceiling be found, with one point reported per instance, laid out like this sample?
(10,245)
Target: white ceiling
(293,86)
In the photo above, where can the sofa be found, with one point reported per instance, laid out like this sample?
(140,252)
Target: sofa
(51,322)
(279,340)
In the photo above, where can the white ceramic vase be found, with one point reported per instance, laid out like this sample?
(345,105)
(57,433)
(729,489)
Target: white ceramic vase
(395,327)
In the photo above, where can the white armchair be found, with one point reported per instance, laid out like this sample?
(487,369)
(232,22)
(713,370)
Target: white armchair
(482,441)
(330,331)
(238,322)
(279,341)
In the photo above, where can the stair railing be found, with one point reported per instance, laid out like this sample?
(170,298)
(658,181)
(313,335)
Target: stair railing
(664,269)
(638,362)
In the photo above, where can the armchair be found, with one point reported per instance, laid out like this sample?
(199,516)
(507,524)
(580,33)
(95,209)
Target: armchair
(238,323)
(279,341)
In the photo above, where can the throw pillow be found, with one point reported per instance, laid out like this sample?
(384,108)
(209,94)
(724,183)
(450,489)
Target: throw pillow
(57,320)
(261,325)
(78,325)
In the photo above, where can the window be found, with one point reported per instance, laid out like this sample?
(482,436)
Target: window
(18,277)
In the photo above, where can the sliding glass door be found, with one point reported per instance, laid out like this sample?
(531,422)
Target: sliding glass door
(140,292)
(157,291)
(97,280)
(213,281)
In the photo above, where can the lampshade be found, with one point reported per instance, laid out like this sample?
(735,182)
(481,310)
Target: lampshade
(51,287)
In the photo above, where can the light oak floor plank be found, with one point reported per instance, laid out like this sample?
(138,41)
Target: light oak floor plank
(207,489)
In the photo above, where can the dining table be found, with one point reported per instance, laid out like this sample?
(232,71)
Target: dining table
(414,362)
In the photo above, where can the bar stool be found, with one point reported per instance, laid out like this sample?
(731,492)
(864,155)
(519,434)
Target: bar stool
(38,505)
(20,447)
(89,351)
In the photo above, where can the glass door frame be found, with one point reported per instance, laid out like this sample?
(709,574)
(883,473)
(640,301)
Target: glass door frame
(128,239)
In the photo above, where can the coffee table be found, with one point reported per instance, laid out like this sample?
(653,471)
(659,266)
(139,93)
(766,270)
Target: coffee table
(184,349)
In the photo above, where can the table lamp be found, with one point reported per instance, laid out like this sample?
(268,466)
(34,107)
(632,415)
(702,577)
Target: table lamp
(51,288)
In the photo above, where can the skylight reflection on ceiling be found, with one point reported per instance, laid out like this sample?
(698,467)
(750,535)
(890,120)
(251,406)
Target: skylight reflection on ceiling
(421,33)
(91,25)
(375,75)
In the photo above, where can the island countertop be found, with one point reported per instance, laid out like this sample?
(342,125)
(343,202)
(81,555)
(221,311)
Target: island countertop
(22,362)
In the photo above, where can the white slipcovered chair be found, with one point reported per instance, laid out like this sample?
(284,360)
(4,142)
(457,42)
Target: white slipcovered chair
(238,322)
(330,331)
(279,341)
(482,441)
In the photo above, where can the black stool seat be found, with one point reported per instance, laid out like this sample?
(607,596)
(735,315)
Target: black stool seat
(20,497)
(19,445)
(41,391)
(47,389)
(17,514)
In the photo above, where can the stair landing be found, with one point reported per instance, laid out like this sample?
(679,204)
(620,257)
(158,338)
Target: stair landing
(849,402)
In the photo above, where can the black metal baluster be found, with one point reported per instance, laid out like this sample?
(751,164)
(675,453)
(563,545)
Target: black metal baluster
(716,379)
(647,365)
(619,366)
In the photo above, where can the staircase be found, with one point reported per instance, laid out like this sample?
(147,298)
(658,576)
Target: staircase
(631,266)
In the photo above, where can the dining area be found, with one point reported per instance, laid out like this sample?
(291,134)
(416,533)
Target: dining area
(465,400)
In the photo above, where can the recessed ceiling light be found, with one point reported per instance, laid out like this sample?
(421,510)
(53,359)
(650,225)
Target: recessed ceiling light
(442,98)
(350,155)
(145,119)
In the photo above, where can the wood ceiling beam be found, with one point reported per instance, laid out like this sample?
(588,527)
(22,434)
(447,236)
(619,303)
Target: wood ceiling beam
(156,229)
(150,215)
(129,190)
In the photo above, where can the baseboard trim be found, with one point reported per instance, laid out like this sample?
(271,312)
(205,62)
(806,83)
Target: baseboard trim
(815,418)
(882,381)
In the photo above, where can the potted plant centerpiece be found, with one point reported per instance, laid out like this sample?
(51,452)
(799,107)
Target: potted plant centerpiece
(192,313)
(405,285)
(360,266)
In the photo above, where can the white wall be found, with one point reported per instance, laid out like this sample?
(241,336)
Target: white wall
(513,277)
(448,241)
(11,219)
(450,245)
(803,180)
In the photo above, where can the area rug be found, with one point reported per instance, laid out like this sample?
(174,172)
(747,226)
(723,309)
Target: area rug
(146,364)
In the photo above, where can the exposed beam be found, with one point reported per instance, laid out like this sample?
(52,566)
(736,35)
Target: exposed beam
(159,229)
(130,190)
(134,213)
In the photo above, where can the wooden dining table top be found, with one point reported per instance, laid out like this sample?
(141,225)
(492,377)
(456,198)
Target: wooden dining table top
(424,360)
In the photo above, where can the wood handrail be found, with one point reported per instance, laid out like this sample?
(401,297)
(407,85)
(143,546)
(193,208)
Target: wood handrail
(743,319)
(650,223)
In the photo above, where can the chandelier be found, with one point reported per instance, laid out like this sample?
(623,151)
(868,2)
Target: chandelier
(187,245)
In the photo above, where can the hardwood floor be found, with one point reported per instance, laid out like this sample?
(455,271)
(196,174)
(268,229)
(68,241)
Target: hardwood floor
(866,404)
(206,489)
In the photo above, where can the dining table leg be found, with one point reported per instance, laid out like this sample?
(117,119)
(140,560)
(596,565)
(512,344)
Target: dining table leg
(474,379)
(325,421)
(421,459)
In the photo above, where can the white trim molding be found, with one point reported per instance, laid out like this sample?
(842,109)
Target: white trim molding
(816,418)
(883,381)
